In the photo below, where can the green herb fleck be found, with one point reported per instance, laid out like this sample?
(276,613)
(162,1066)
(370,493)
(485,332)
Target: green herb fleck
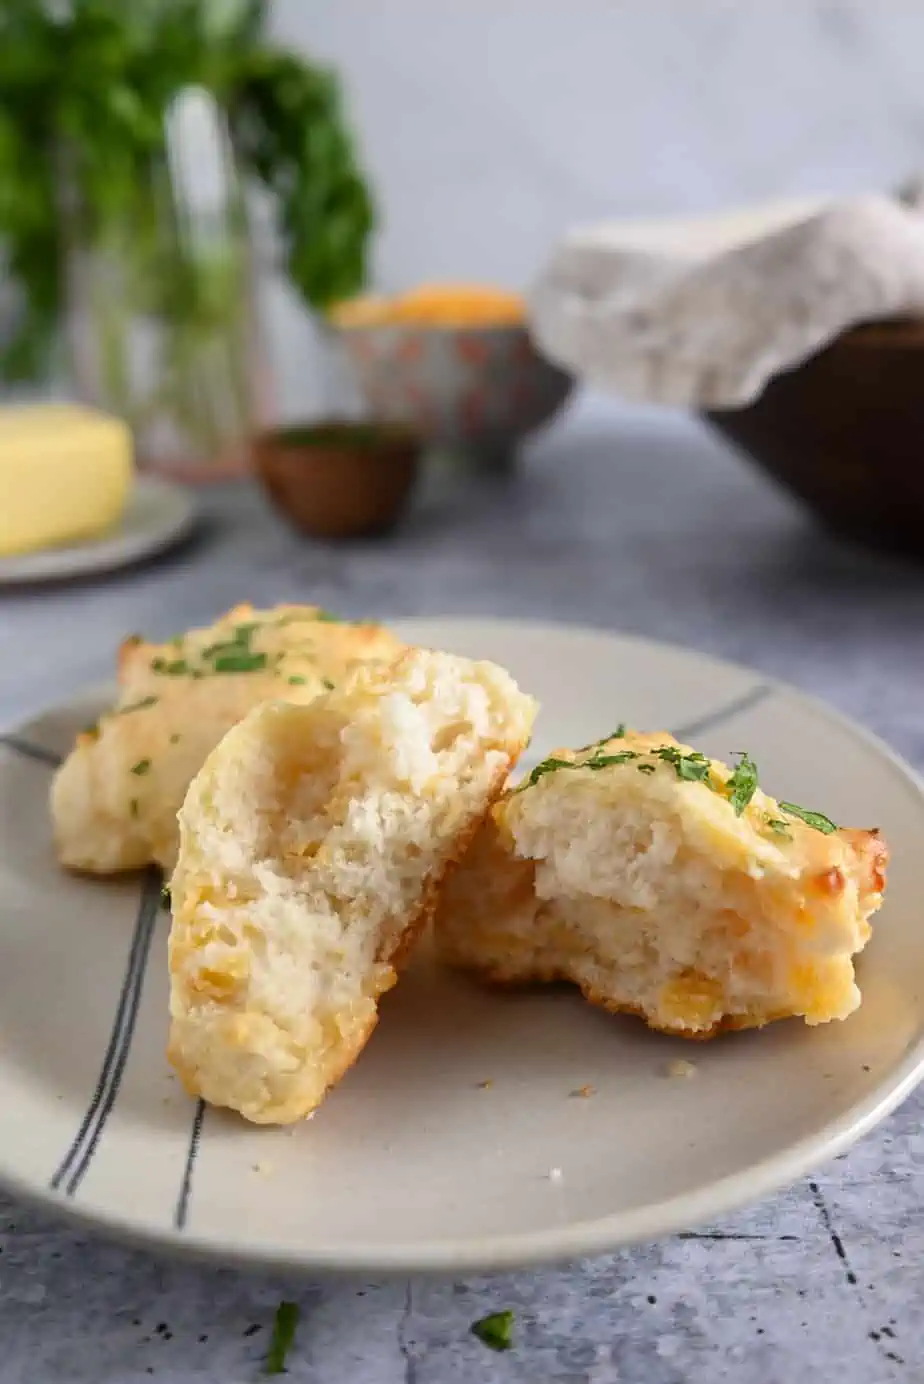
(598,760)
(175,738)
(297,680)
(284,1328)
(133,807)
(175,668)
(136,706)
(646,768)
(242,662)
(618,734)
(779,827)
(326,682)
(691,768)
(742,785)
(141,767)
(165,898)
(327,618)
(495,1331)
(813,819)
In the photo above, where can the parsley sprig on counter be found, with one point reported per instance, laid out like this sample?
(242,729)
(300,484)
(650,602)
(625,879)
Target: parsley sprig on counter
(495,1330)
(284,1328)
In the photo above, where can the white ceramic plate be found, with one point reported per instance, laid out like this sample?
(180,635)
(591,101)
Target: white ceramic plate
(412,1164)
(158,513)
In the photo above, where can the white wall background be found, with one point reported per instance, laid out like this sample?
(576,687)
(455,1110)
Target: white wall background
(490,126)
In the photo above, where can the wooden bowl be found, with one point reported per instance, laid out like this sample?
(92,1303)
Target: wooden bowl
(339,479)
(845,432)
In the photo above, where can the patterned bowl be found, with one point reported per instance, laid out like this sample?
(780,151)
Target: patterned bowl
(477,389)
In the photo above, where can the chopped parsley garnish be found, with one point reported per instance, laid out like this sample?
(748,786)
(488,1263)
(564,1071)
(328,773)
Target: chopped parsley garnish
(297,680)
(141,767)
(284,1328)
(240,662)
(174,668)
(742,785)
(813,819)
(165,899)
(598,760)
(136,706)
(779,827)
(326,682)
(646,768)
(618,734)
(691,768)
(495,1331)
(327,618)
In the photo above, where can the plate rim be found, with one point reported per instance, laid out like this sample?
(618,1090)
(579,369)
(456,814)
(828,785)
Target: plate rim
(109,552)
(576,1239)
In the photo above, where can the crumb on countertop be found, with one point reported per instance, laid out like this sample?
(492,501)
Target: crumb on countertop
(584,1092)
(264,1168)
(680,1067)
(555,1174)
(485,1085)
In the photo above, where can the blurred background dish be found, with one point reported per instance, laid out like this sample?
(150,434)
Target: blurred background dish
(844,432)
(457,363)
(158,514)
(339,479)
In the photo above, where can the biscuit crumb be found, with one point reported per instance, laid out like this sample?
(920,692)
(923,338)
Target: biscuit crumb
(584,1092)
(486,1085)
(555,1174)
(680,1067)
(264,1169)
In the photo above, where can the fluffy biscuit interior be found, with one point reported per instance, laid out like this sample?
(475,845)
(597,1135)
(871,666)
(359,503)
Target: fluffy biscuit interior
(312,843)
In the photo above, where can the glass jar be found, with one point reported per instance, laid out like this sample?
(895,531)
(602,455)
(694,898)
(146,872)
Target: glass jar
(162,326)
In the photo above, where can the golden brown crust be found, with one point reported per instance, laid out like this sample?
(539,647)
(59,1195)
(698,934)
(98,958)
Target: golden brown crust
(495,925)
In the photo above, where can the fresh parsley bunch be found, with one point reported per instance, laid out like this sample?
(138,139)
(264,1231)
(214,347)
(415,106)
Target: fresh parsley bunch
(85,86)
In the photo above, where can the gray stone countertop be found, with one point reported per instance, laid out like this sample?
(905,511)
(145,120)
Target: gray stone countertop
(622,519)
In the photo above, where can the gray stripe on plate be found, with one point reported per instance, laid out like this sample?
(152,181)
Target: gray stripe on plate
(29,750)
(76,1161)
(712,719)
(181,1211)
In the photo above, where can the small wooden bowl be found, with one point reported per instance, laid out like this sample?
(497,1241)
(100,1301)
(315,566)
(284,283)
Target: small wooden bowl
(845,432)
(339,479)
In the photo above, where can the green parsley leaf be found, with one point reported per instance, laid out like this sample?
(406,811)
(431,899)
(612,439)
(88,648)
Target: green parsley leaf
(813,819)
(176,668)
(779,827)
(136,706)
(646,768)
(548,766)
(618,734)
(297,680)
(603,761)
(692,768)
(141,767)
(742,785)
(242,662)
(326,618)
(326,682)
(495,1331)
(284,1327)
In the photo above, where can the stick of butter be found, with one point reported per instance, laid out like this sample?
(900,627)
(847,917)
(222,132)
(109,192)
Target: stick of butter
(65,473)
